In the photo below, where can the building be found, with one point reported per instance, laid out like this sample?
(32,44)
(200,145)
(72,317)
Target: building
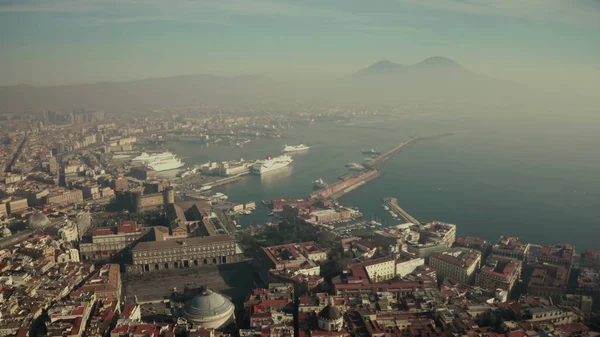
(290,259)
(419,239)
(499,272)
(460,264)
(561,254)
(184,253)
(549,280)
(406,263)
(16,205)
(209,310)
(271,309)
(64,197)
(137,201)
(511,246)
(120,184)
(105,284)
(142,173)
(330,319)
(107,243)
(375,270)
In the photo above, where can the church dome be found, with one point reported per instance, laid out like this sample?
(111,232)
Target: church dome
(330,313)
(38,220)
(6,232)
(209,310)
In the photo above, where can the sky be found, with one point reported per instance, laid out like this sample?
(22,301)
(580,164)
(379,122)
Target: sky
(544,43)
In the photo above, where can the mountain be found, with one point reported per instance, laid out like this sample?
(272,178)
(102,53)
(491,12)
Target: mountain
(387,68)
(435,79)
(185,90)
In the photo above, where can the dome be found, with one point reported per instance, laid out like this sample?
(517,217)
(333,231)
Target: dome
(209,310)
(38,220)
(6,232)
(330,313)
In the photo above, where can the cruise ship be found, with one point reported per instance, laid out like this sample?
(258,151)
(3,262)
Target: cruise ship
(271,164)
(146,157)
(300,147)
(165,164)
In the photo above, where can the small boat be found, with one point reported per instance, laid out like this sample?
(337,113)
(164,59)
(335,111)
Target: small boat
(355,167)
(319,183)
(386,208)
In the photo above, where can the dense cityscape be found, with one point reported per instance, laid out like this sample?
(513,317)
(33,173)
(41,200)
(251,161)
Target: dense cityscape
(107,232)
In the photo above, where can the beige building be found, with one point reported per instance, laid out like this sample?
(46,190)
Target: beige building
(64,197)
(499,272)
(460,264)
(184,253)
(108,242)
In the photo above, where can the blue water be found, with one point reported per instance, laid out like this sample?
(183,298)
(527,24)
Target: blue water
(524,176)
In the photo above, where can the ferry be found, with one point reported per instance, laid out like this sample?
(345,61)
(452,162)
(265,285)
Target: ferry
(300,147)
(271,164)
(165,164)
(148,157)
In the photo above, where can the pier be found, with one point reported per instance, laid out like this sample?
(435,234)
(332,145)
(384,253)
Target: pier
(392,203)
(387,155)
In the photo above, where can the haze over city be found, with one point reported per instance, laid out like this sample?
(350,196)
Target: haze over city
(278,168)
(546,44)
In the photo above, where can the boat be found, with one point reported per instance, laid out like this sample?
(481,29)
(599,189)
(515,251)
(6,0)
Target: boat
(355,167)
(319,183)
(271,164)
(165,164)
(386,208)
(300,147)
(218,197)
(205,188)
(371,151)
(146,157)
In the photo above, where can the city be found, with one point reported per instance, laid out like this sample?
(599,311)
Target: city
(281,168)
(97,241)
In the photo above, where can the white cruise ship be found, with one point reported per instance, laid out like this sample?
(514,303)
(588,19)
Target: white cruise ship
(270,164)
(165,164)
(145,157)
(300,147)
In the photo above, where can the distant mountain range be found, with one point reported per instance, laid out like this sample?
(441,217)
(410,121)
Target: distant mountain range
(390,68)
(436,79)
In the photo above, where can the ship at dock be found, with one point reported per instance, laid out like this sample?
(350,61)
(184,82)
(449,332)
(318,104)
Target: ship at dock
(271,164)
(164,161)
(297,148)
(146,157)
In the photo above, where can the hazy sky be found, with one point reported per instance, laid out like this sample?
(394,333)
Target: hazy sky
(67,41)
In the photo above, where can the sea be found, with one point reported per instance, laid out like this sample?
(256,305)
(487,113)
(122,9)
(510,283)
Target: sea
(526,176)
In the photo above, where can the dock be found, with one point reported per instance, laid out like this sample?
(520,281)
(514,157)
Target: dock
(387,155)
(392,203)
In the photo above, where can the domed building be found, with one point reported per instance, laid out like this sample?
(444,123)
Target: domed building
(209,310)
(6,232)
(38,221)
(330,318)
